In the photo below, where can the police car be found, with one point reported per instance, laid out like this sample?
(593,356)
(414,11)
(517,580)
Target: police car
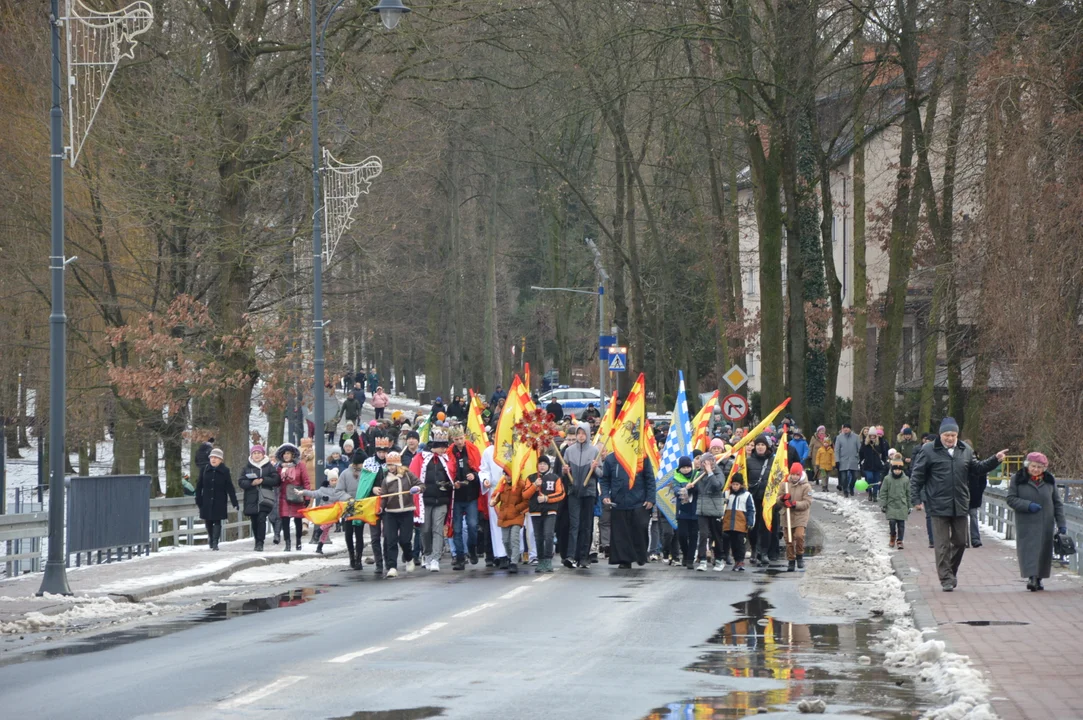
(574,400)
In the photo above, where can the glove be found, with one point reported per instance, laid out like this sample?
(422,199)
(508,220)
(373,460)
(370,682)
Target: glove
(1035,507)
(416,489)
(1063,530)
(786,498)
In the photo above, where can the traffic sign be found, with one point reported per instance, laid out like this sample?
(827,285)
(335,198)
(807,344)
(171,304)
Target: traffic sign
(735,377)
(735,407)
(618,359)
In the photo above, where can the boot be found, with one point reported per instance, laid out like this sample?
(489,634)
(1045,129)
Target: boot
(801,561)
(791,566)
(353,561)
(549,566)
(1031,584)
(319,548)
(891,543)
(298,548)
(899,545)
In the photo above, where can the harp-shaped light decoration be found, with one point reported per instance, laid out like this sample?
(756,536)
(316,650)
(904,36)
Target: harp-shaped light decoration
(343,184)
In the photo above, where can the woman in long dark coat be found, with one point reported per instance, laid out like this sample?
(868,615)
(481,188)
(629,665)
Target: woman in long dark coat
(1032,494)
(214,488)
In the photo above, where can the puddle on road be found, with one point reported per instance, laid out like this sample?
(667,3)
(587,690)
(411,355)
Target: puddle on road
(813,661)
(418,713)
(215,613)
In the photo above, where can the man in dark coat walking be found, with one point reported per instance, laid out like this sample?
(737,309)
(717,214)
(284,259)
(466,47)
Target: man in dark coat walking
(941,475)
(631,504)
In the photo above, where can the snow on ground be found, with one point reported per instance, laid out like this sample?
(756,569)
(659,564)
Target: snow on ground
(138,583)
(246,580)
(962,686)
(82,611)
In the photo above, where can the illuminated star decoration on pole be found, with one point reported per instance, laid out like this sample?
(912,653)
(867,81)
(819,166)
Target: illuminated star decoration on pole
(342,185)
(95,43)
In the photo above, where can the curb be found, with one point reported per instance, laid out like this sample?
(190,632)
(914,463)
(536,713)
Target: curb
(215,576)
(919,609)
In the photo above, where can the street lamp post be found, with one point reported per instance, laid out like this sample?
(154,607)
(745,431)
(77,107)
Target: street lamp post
(603,277)
(390,12)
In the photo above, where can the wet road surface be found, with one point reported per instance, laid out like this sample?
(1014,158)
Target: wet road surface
(658,642)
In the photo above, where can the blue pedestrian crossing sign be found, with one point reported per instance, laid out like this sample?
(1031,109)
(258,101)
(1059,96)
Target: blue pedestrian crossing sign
(618,359)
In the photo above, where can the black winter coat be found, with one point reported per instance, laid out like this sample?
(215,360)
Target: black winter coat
(215,486)
(759,470)
(268,472)
(871,459)
(614,485)
(943,479)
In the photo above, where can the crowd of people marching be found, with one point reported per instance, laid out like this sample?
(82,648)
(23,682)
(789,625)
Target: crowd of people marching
(447,496)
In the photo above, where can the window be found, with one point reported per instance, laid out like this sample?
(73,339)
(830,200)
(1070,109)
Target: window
(751,363)
(750,281)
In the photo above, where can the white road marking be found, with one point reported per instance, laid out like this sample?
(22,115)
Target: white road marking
(274,686)
(422,632)
(354,655)
(473,610)
(512,593)
(543,578)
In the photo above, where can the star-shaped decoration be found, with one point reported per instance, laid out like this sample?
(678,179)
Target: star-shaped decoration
(124,47)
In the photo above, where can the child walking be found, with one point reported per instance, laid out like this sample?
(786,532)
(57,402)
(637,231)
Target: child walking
(739,517)
(895,501)
(796,504)
(710,490)
(512,501)
(549,491)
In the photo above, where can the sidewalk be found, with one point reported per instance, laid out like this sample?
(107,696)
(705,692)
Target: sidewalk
(1024,641)
(146,577)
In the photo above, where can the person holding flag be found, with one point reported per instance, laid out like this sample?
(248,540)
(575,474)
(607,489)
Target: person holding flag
(796,504)
(710,507)
(627,483)
(678,446)
(398,515)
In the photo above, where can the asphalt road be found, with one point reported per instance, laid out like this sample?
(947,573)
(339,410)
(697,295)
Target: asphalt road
(476,644)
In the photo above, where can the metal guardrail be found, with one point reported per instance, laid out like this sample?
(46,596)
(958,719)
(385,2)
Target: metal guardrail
(187,528)
(18,532)
(994,512)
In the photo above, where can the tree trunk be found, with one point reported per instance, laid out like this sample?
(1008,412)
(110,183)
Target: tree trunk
(127,444)
(150,462)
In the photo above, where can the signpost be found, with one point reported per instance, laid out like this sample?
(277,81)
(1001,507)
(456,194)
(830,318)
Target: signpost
(735,407)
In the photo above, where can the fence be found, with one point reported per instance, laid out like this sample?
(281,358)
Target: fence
(177,519)
(994,511)
(21,535)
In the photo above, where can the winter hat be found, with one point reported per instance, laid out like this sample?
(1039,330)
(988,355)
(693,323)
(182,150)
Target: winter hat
(797,469)
(684,461)
(373,423)
(717,444)
(413,434)
(821,429)
(217,452)
(349,424)
(332,450)
(1034,457)
(544,459)
(948,424)
(358,458)
(257,448)
(394,458)
(847,426)
(696,454)
(439,399)
(762,439)
(347,443)
(331,473)
(906,430)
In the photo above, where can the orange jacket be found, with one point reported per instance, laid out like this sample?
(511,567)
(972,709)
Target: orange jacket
(512,503)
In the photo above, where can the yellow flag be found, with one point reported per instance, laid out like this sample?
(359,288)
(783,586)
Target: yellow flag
(367,510)
(475,428)
(701,424)
(780,470)
(518,402)
(605,428)
(653,455)
(740,465)
(627,439)
(324,514)
(752,434)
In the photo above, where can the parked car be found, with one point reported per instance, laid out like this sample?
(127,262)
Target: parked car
(574,400)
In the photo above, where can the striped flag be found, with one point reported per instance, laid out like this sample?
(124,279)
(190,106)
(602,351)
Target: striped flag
(627,438)
(780,470)
(701,424)
(475,428)
(678,443)
(605,428)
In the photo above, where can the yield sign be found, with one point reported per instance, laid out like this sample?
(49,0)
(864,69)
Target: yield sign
(734,407)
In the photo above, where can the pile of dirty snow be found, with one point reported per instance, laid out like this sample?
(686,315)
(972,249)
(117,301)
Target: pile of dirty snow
(82,611)
(863,582)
